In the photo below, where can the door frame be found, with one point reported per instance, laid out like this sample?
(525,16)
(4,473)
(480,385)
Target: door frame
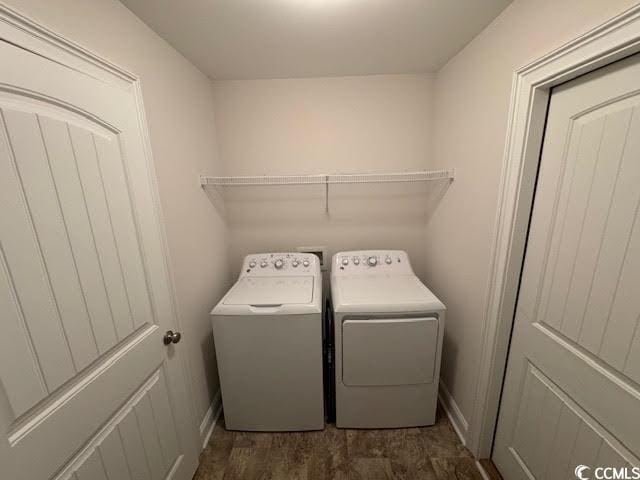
(23,32)
(617,38)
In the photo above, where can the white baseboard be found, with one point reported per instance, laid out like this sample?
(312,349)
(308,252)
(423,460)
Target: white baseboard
(460,424)
(210,418)
(483,472)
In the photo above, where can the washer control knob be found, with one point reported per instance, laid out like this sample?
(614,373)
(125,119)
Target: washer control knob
(305,263)
(356,261)
(252,264)
(372,261)
(278,264)
(388,260)
(345,261)
(263,264)
(295,263)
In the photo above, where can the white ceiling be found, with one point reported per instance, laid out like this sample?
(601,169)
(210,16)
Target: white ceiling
(246,39)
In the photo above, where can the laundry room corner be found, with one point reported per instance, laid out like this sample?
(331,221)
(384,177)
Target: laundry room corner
(319,239)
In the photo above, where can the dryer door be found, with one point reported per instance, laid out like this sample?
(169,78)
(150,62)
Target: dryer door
(389,351)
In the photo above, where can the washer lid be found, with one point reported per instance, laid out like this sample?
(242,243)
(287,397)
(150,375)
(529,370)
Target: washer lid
(380,293)
(271,291)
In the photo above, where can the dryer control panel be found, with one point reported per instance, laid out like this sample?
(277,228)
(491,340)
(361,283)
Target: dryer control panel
(371,261)
(270,264)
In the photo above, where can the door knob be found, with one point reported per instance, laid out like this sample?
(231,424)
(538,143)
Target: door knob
(171,337)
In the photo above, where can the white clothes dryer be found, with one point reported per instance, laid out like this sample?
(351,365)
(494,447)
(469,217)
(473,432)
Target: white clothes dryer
(268,339)
(388,330)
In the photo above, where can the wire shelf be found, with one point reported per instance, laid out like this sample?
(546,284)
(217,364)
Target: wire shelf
(396,177)
(327,179)
(259,181)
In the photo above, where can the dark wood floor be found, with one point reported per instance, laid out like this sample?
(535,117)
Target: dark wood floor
(403,454)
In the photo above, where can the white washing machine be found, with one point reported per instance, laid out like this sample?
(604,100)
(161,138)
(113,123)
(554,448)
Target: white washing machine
(268,337)
(388,329)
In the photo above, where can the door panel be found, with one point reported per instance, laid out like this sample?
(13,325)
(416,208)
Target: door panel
(572,390)
(398,351)
(31,175)
(70,196)
(24,386)
(129,447)
(553,434)
(84,285)
(29,278)
(91,469)
(593,271)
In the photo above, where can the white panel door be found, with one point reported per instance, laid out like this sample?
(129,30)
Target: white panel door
(88,389)
(572,390)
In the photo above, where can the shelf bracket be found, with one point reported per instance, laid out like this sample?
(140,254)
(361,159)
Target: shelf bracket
(326,194)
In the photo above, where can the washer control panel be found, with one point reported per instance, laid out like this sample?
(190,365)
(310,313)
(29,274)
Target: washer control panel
(270,264)
(371,261)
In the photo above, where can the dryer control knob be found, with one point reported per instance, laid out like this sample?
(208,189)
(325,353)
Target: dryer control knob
(356,261)
(372,261)
(305,263)
(388,260)
(263,264)
(295,263)
(252,264)
(278,264)
(345,261)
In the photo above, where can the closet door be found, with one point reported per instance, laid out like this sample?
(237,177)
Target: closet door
(572,390)
(88,389)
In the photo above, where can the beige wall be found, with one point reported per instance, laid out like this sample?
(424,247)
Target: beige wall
(326,125)
(179,106)
(471,106)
